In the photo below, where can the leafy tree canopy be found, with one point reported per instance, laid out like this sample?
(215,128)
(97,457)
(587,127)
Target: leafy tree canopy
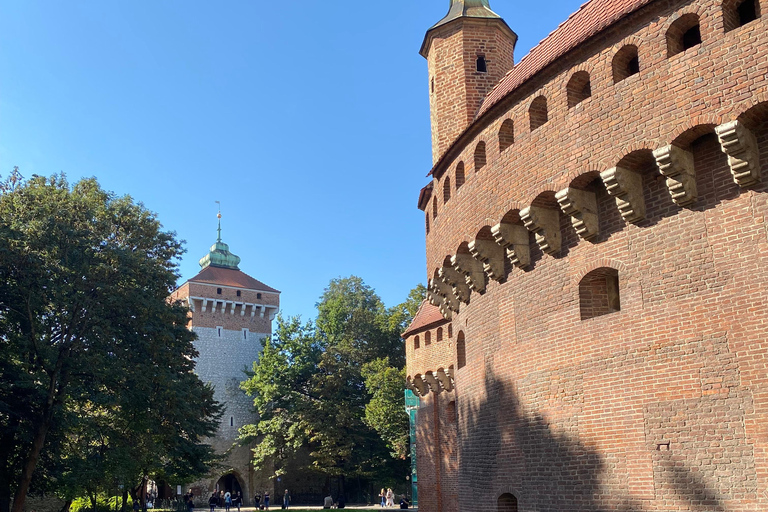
(335,386)
(96,365)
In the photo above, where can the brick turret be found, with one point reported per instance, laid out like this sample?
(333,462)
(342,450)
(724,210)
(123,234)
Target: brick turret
(469,51)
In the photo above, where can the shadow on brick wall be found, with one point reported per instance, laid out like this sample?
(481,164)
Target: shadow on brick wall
(508,450)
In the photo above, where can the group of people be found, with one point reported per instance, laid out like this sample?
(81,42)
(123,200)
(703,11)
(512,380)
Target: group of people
(225,499)
(388,499)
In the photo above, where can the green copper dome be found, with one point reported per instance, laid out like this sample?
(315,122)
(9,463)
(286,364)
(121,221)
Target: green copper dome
(219,255)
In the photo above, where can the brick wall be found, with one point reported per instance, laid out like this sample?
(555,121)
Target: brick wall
(663,404)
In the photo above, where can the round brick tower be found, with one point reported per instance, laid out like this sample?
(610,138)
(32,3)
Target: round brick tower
(232,313)
(597,257)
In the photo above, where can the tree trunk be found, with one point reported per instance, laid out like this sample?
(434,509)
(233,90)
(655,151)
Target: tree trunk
(65,507)
(55,389)
(125,500)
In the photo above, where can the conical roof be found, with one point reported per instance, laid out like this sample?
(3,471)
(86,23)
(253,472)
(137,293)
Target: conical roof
(459,9)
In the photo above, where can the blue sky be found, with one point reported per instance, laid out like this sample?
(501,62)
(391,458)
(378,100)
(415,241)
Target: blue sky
(307,119)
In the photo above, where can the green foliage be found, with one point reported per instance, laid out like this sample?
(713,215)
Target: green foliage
(329,385)
(97,366)
(385,411)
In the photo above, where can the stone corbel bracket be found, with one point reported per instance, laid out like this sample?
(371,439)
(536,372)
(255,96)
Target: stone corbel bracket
(430,379)
(544,223)
(422,388)
(446,382)
(445,290)
(453,278)
(581,207)
(513,238)
(491,255)
(439,302)
(472,269)
(627,188)
(740,144)
(676,165)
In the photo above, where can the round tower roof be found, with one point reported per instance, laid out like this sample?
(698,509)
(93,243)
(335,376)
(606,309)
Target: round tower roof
(219,255)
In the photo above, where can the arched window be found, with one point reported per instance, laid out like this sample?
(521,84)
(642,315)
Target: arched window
(599,293)
(426,221)
(684,33)
(416,342)
(507,503)
(737,13)
(459,175)
(506,134)
(447,190)
(537,113)
(450,330)
(427,338)
(439,334)
(480,156)
(578,88)
(434,207)
(461,351)
(625,63)
(482,66)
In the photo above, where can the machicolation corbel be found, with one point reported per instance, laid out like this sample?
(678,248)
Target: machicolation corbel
(740,144)
(544,223)
(453,278)
(491,255)
(439,302)
(446,291)
(472,270)
(432,382)
(445,380)
(581,207)
(513,238)
(676,164)
(627,187)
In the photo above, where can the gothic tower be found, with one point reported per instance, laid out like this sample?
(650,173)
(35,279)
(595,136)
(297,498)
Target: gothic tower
(232,313)
(468,52)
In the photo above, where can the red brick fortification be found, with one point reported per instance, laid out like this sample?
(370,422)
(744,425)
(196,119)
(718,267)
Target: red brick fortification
(601,272)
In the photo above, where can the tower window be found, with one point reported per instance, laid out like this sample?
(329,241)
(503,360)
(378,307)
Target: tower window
(426,221)
(416,342)
(459,175)
(439,334)
(218,331)
(231,421)
(461,351)
(683,34)
(538,112)
(258,295)
(506,503)
(434,207)
(578,88)
(427,338)
(245,334)
(218,291)
(238,293)
(737,14)
(625,63)
(506,134)
(482,67)
(480,157)
(599,293)
(447,190)
(432,84)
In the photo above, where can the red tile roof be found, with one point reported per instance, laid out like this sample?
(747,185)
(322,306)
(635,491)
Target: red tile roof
(230,277)
(591,18)
(427,316)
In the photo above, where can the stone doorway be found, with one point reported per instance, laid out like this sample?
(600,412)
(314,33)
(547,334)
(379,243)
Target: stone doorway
(231,483)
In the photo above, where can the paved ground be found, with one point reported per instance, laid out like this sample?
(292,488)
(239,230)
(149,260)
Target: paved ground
(353,507)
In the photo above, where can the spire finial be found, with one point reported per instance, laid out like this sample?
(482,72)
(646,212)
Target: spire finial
(218,215)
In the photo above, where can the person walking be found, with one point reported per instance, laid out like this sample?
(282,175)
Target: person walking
(390,498)
(266,500)
(257,501)
(383,497)
(212,501)
(227,501)
(238,500)
(190,503)
(286,499)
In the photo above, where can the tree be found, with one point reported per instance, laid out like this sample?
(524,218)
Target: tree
(309,386)
(99,360)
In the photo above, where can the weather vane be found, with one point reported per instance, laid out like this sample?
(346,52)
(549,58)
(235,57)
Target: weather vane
(218,203)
